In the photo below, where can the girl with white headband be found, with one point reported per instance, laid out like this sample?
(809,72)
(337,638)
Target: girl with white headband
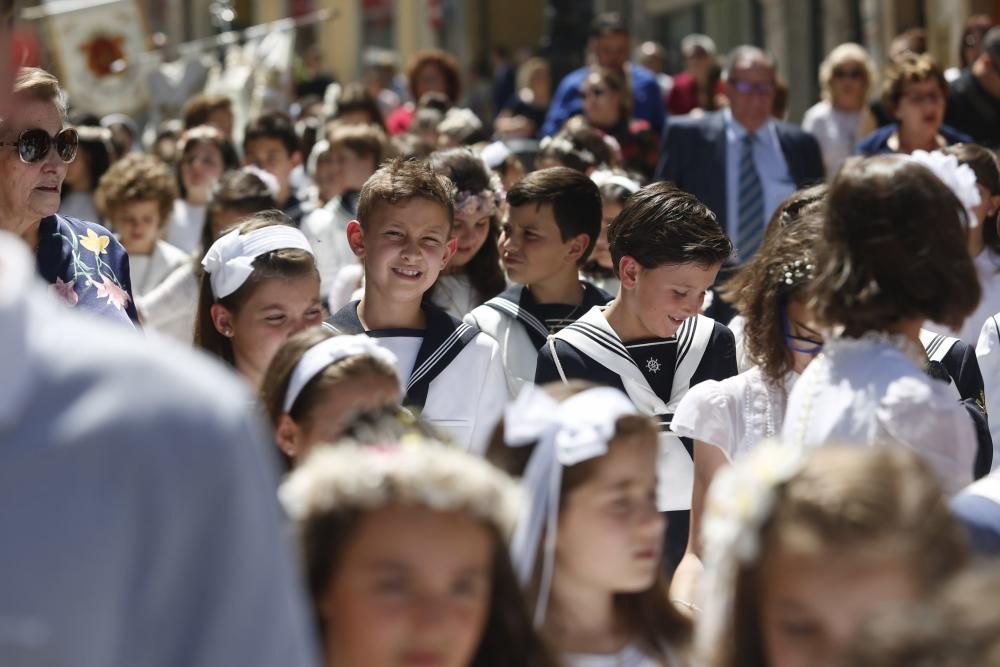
(318,381)
(405,550)
(615,186)
(259,287)
(473,274)
(892,254)
(801,549)
(588,552)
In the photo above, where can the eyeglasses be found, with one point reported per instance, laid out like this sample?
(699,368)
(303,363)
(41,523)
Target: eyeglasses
(34,145)
(919,98)
(592,92)
(747,88)
(799,344)
(855,73)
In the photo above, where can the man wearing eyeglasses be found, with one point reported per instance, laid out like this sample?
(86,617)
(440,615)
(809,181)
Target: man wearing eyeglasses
(741,161)
(974,99)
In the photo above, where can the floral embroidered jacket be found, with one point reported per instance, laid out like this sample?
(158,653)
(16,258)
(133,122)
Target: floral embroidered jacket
(86,267)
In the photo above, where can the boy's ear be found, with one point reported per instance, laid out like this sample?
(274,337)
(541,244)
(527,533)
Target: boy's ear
(356,238)
(288,435)
(578,246)
(628,271)
(449,251)
(222,319)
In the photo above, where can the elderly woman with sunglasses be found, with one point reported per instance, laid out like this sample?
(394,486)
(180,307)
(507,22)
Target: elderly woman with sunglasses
(842,118)
(83,262)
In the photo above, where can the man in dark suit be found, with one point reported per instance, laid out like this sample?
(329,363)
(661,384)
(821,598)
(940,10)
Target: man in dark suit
(741,162)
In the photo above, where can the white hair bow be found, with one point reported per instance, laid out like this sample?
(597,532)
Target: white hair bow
(959,178)
(327,352)
(567,433)
(229,262)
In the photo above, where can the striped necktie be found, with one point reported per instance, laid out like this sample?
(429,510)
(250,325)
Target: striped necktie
(751,202)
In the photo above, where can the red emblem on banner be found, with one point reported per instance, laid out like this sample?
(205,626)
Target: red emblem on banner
(105,55)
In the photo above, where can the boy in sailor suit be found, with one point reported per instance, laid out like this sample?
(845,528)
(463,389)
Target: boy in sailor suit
(553,224)
(450,371)
(650,341)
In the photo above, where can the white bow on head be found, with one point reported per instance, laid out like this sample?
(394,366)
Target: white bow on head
(567,433)
(229,262)
(960,179)
(327,352)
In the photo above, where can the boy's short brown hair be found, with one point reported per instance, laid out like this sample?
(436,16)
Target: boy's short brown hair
(661,224)
(137,178)
(362,140)
(398,181)
(200,108)
(575,200)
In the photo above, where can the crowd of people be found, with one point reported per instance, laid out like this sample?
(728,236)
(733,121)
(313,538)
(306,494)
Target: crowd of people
(630,372)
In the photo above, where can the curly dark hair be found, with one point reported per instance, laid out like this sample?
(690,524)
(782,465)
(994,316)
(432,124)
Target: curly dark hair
(137,178)
(467,171)
(893,248)
(445,62)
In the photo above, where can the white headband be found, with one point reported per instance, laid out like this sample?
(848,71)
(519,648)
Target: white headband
(327,352)
(960,179)
(229,262)
(567,433)
(602,177)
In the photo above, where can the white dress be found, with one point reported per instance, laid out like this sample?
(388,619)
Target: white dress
(148,271)
(455,295)
(186,225)
(836,133)
(630,656)
(326,229)
(988,270)
(734,414)
(872,391)
(171,307)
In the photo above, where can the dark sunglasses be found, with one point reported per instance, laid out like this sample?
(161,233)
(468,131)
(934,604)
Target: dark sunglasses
(34,145)
(855,73)
(798,343)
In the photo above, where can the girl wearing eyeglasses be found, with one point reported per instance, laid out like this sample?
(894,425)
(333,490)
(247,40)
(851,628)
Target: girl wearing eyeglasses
(842,117)
(728,419)
(83,262)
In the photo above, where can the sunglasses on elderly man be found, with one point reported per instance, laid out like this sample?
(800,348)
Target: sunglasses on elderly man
(34,145)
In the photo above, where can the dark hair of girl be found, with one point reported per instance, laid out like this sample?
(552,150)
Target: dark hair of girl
(984,163)
(469,174)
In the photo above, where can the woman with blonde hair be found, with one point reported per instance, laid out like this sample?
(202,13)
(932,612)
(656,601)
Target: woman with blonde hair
(842,117)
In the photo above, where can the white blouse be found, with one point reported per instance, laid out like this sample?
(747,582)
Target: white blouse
(455,295)
(734,414)
(630,656)
(148,271)
(186,225)
(836,132)
(872,391)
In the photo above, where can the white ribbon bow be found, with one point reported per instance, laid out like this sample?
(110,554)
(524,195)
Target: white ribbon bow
(567,433)
(960,179)
(229,262)
(327,352)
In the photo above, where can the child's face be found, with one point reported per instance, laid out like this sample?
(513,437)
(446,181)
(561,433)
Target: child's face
(666,296)
(413,588)
(405,247)
(469,237)
(602,255)
(138,226)
(813,603)
(201,167)
(349,170)
(610,533)
(531,246)
(275,310)
(271,156)
(339,406)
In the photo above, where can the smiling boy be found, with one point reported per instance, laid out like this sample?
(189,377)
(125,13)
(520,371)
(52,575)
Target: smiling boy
(451,372)
(551,229)
(651,341)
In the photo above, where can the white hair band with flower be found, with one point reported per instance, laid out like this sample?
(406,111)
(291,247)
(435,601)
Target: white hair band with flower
(472,206)
(567,433)
(229,262)
(960,179)
(602,177)
(328,352)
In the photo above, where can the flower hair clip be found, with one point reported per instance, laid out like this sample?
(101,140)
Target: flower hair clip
(797,272)
(959,178)
(476,205)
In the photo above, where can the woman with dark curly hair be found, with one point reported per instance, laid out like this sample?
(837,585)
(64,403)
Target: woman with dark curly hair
(726,419)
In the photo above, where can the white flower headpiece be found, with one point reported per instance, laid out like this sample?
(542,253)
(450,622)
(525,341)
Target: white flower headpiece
(564,145)
(740,501)
(472,206)
(266,177)
(567,433)
(602,177)
(959,178)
